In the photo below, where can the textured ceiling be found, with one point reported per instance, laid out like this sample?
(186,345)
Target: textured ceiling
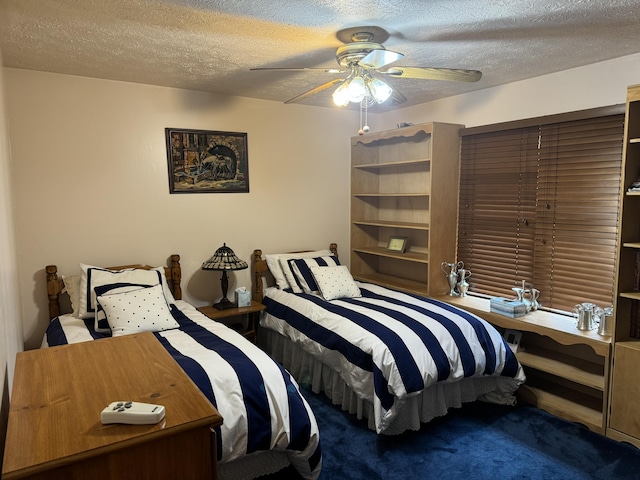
(211,45)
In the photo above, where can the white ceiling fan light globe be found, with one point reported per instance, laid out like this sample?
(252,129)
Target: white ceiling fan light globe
(341,95)
(357,89)
(380,90)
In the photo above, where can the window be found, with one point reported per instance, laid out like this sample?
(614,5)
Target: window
(539,202)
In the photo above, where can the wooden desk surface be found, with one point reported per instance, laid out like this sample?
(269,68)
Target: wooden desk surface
(59,392)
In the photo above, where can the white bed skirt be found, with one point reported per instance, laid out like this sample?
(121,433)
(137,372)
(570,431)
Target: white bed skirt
(432,402)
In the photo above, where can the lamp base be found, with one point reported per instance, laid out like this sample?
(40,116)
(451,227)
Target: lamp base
(224,304)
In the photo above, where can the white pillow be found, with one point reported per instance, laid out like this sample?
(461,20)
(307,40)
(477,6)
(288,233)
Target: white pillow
(335,282)
(276,269)
(302,271)
(72,285)
(92,277)
(142,310)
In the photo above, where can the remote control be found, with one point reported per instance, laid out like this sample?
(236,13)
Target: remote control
(133,413)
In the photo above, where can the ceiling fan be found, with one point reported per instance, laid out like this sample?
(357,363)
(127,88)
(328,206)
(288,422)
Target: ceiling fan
(362,80)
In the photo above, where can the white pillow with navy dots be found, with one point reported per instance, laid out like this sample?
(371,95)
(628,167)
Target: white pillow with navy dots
(302,271)
(100,323)
(142,310)
(335,282)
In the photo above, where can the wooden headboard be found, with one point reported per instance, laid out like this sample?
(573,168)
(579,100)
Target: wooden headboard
(259,267)
(173,272)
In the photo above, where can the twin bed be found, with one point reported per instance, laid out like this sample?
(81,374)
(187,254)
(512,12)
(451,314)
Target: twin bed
(267,423)
(397,359)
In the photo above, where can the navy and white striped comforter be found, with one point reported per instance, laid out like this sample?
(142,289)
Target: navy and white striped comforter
(259,401)
(388,345)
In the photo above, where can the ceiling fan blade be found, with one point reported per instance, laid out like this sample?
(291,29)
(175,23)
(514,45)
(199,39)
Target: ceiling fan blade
(427,73)
(284,69)
(380,58)
(315,90)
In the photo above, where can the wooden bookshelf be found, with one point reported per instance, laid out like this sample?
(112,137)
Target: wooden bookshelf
(404,182)
(624,417)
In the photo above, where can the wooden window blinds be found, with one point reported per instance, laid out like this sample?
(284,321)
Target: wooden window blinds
(539,202)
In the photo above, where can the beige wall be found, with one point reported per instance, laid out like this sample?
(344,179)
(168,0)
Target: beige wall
(597,85)
(90,176)
(90,181)
(10,334)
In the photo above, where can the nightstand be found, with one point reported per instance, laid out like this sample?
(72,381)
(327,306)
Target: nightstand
(252,312)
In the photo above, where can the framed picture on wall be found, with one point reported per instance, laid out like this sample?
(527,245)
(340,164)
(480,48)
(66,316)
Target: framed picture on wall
(207,161)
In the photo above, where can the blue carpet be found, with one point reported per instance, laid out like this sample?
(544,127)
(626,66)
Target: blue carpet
(476,442)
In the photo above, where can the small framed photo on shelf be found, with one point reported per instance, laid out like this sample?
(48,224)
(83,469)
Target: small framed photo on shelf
(513,338)
(397,244)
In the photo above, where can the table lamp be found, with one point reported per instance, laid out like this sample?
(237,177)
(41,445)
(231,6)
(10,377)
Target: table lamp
(224,259)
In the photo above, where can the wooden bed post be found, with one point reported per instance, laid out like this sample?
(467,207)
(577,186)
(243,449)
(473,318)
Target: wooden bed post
(259,266)
(176,275)
(53,290)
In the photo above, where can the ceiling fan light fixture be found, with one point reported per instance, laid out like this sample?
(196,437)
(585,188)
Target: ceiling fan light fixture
(361,58)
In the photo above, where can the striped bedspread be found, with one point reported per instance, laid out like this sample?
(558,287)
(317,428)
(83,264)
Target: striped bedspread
(259,401)
(388,345)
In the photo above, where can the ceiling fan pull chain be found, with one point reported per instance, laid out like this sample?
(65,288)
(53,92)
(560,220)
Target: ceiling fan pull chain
(364,105)
(365,129)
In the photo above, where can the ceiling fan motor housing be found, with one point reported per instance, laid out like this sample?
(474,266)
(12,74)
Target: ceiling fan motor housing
(351,53)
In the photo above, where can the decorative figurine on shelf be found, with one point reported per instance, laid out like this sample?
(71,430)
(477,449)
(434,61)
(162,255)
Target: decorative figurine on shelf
(534,294)
(588,315)
(531,303)
(451,271)
(462,285)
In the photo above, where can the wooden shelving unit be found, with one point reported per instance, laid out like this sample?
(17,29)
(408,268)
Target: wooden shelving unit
(567,369)
(624,415)
(404,182)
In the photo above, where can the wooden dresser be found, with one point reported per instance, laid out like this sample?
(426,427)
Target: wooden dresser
(54,429)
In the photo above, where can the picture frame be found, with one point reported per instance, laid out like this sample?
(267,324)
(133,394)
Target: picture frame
(513,338)
(397,244)
(207,161)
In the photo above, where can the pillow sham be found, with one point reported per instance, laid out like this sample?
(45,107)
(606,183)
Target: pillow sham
(141,310)
(302,271)
(92,277)
(335,282)
(276,267)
